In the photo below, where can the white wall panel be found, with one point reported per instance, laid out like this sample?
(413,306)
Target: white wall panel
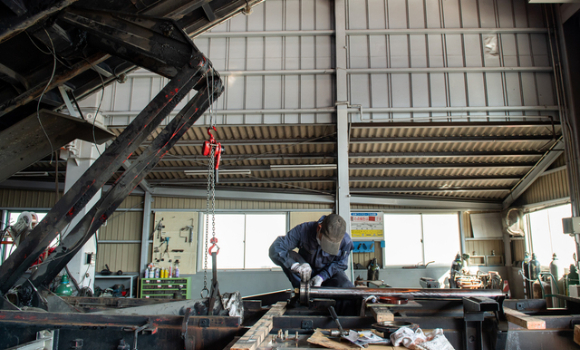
(461,44)
(386,39)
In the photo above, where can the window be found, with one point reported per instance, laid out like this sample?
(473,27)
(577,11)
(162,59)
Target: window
(244,239)
(547,235)
(7,249)
(412,239)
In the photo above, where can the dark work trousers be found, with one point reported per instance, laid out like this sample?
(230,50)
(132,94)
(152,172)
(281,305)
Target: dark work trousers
(339,280)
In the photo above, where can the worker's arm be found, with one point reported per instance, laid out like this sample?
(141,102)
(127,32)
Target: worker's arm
(283,245)
(340,263)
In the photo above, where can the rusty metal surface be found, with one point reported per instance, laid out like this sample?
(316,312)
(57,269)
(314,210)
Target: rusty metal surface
(95,177)
(25,143)
(105,332)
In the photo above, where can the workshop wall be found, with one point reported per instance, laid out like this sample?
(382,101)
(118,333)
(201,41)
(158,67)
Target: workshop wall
(126,224)
(21,199)
(550,187)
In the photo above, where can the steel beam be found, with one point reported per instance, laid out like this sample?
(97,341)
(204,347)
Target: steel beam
(38,85)
(550,156)
(441,166)
(533,123)
(145,232)
(449,139)
(427,189)
(435,70)
(428,31)
(242,195)
(25,142)
(108,202)
(235,158)
(425,203)
(100,171)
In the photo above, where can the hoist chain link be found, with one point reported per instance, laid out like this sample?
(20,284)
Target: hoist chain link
(210,197)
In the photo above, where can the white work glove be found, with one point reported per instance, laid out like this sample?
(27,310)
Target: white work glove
(304,270)
(316,281)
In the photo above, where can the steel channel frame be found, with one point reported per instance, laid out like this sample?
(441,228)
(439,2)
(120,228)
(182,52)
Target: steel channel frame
(105,331)
(105,207)
(100,171)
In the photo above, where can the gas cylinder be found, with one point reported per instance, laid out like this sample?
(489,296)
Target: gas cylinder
(535,268)
(64,289)
(557,271)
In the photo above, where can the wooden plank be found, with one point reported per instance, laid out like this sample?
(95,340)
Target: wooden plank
(260,330)
(382,314)
(524,320)
(577,334)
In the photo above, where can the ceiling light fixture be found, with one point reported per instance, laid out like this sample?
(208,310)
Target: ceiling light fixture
(303,167)
(222,172)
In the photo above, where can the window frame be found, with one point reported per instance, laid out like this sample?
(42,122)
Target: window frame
(421,214)
(201,233)
(529,239)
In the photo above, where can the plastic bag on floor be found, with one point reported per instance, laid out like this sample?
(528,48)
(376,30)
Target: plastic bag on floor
(418,341)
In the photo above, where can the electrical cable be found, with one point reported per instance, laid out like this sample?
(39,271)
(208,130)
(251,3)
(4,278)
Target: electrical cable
(100,102)
(42,95)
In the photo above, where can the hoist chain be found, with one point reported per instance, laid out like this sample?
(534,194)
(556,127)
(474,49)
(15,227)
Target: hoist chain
(210,197)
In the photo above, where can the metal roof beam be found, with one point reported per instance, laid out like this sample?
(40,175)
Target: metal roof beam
(446,154)
(449,139)
(303,167)
(243,195)
(244,180)
(263,142)
(550,156)
(460,124)
(318,156)
(439,166)
(425,203)
(428,189)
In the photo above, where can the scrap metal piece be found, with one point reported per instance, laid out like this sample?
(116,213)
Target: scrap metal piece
(307,293)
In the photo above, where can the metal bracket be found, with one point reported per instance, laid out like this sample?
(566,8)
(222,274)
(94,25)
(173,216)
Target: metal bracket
(307,324)
(474,309)
(189,340)
(136,330)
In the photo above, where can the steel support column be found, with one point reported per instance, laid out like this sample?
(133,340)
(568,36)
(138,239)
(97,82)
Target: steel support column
(342,142)
(147,200)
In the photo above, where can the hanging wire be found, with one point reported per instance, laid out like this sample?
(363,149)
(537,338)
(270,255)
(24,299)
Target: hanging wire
(42,95)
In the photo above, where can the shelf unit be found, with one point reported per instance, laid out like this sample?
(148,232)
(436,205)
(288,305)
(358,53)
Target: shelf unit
(164,288)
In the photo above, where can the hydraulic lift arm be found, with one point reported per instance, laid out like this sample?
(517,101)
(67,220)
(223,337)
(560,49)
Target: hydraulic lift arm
(158,45)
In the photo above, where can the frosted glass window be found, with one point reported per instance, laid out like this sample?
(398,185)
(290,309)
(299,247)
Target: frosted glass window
(229,230)
(403,244)
(261,231)
(548,235)
(441,237)
(244,239)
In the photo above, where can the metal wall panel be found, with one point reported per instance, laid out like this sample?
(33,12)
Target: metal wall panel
(265,64)
(26,199)
(454,53)
(198,203)
(123,257)
(546,188)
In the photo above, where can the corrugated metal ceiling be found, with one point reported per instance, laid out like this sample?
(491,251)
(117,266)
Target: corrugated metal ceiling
(439,160)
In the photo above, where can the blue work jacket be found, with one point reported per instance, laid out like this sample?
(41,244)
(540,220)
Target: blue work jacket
(303,237)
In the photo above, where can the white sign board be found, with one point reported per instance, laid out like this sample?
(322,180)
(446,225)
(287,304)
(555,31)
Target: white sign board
(367,226)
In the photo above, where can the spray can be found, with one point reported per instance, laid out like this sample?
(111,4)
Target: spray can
(156,272)
(170,274)
(146,273)
(176,272)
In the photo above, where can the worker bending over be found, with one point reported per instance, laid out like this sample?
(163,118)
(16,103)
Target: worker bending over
(322,258)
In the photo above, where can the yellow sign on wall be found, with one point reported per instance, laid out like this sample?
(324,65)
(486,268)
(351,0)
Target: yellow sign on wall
(367,226)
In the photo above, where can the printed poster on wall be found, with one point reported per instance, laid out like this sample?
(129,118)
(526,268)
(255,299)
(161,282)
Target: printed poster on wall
(367,226)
